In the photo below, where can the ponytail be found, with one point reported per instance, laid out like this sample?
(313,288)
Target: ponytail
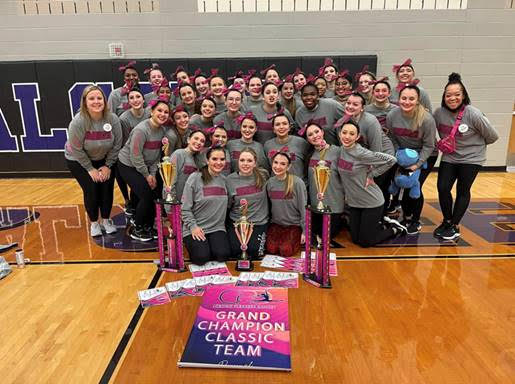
(258,178)
(288,189)
(205,175)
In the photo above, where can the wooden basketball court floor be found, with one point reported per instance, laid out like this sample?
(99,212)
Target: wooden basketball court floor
(415,310)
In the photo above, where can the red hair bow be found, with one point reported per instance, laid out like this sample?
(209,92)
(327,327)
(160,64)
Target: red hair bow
(328,62)
(197,72)
(288,79)
(214,73)
(127,87)
(177,109)
(237,75)
(305,126)
(396,68)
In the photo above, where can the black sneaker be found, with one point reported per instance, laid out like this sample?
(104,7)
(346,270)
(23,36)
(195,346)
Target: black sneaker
(152,231)
(441,229)
(140,234)
(451,232)
(393,208)
(399,228)
(413,227)
(130,212)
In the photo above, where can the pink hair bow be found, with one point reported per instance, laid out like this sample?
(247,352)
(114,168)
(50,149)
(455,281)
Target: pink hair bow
(298,71)
(176,91)
(180,68)
(328,62)
(343,73)
(310,79)
(162,84)
(264,71)
(179,108)
(130,64)
(196,74)
(214,73)
(152,67)
(234,87)
(380,80)
(249,115)
(363,71)
(288,79)
(401,86)
(396,68)
(127,87)
(237,75)
(305,126)
(274,152)
(345,119)
(161,99)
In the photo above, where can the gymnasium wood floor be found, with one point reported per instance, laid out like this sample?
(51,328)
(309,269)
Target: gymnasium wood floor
(412,311)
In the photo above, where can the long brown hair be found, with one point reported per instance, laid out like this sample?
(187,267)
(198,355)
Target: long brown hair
(258,176)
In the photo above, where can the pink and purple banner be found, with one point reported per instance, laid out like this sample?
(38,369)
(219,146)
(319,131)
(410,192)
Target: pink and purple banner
(241,328)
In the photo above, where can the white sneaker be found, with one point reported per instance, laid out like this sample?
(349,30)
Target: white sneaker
(109,226)
(95,229)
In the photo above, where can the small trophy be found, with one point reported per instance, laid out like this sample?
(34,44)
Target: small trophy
(322,177)
(244,229)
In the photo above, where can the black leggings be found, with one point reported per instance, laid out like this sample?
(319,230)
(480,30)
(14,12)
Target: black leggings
(215,247)
(96,195)
(383,182)
(121,184)
(413,207)
(448,173)
(256,245)
(365,228)
(144,196)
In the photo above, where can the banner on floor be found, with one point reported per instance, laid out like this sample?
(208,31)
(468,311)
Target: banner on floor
(242,328)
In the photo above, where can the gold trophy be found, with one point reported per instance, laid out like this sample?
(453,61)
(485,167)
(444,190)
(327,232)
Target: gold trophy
(168,171)
(322,177)
(244,229)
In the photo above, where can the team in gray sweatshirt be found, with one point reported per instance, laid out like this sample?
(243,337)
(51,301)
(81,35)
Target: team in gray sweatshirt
(326,113)
(244,187)
(204,205)
(290,209)
(334,196)
(296,148)
(94,140)
(403,136)
(355,165)
(143,148)
(474,134)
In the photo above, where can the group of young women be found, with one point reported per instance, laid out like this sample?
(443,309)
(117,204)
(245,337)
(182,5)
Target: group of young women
(257,143)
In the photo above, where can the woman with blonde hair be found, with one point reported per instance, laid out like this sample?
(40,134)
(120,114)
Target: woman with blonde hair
(288,198)
(94,140)
(246,187)
(411,126)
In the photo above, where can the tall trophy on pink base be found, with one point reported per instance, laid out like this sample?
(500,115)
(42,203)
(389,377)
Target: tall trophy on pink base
(320,275)
(244,230)
(173,259)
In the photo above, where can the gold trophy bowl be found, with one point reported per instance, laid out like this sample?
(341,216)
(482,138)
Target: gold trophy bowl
(168,172)
(322,177)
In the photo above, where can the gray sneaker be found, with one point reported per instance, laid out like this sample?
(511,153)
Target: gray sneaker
(109,226)
(95,229)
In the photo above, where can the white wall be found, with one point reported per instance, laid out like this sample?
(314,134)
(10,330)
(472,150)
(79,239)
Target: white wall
(478,42)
